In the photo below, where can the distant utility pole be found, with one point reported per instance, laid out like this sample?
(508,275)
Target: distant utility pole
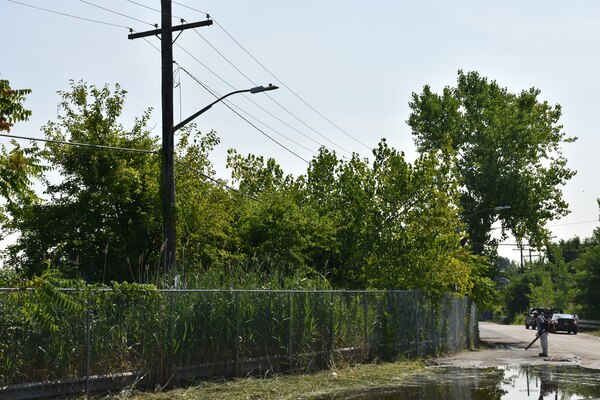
(168,141)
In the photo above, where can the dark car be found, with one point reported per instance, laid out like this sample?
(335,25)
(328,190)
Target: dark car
(529,320)
(563,322)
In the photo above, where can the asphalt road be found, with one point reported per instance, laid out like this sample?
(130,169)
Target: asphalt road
(507,344)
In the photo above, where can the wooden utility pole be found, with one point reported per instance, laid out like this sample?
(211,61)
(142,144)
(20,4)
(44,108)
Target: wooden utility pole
(168,141)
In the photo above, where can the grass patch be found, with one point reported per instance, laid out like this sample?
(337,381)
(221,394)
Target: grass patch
(306,386)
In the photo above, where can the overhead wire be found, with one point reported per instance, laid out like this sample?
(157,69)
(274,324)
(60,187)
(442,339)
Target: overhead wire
(251,81)
(71,15)
(276,78)
(130,149)
(118,13)
(217,181)
(97,146)
(213,92)
(237,113)
(227,104)
(157,10)
(250,100)
(272,99)
(130,29)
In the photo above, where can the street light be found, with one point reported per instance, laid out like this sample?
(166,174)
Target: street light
(257,89)
(463,241)
(497,208)
(168,191)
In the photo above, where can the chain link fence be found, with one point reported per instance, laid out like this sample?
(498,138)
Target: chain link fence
(83,341)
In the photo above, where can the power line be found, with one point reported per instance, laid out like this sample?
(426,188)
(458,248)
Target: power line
(154,9)
(574,223)
(278,80)
(216,95)
(193,9)
(251,81)
(271,98)
(117,13)
(226,103)
(217,181)
(250,100)
(71,15)
(98,146)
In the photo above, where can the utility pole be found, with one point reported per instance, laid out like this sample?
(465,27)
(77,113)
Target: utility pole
(168,141)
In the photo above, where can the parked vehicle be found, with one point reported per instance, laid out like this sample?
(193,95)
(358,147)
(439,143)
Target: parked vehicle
(563,322)
(529,320)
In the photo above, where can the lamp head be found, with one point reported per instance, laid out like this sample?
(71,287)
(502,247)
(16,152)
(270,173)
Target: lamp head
(259,89)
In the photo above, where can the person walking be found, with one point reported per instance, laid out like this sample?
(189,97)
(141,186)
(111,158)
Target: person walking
(542,333)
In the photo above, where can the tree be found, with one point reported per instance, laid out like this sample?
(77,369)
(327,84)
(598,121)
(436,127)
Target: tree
(587,267)
(505,149)
(11,105)
(102,220)
(18,167)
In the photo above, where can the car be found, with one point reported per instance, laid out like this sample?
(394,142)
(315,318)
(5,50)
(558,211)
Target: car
(529,320)
(563,322)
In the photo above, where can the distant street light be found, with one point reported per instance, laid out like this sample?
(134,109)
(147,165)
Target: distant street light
(169,179)
(463,241)
(497,208)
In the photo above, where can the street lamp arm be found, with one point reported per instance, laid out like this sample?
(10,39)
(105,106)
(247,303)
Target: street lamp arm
(253,90)
(498,208)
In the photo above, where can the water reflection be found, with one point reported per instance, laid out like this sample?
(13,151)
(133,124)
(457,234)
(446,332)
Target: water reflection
(541,382)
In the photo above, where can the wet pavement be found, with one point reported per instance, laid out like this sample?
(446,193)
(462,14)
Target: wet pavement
(564,382)
(503,370)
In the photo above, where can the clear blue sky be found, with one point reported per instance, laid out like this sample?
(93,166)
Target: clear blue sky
(355,62)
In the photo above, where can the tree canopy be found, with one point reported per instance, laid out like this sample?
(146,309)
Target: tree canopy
(18,167)
(383,223)
(505,149)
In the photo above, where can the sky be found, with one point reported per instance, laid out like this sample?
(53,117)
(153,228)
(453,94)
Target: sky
(346,71)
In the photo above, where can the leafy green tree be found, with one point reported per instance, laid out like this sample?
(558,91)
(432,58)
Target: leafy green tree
(272,222)
(204,207)
(11,105)
(101,221)
(18,167)
(587,267)
(505,149)
(396,223)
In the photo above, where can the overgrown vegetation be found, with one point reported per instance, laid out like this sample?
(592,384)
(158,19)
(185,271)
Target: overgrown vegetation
(382,222)
(566,277)
(163,336)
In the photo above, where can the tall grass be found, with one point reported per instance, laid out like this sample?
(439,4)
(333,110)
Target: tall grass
(227,330)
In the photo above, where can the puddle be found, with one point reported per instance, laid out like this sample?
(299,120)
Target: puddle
(503,383)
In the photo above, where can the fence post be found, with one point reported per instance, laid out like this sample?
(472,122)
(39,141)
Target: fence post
(289,309)
(433,340)
(237,334)
(88,346)
(366,324)
(397,323)
(171,336)
(332,326)
(418,324)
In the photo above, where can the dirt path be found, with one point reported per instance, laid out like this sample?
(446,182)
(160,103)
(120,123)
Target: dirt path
(507,344)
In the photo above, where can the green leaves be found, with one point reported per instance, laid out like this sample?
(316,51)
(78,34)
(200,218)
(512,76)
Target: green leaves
(11,105)
(505,149)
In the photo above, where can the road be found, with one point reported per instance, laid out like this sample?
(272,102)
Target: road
(507,344)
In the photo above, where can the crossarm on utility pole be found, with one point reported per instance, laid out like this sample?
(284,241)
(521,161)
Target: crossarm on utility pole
(173,29)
